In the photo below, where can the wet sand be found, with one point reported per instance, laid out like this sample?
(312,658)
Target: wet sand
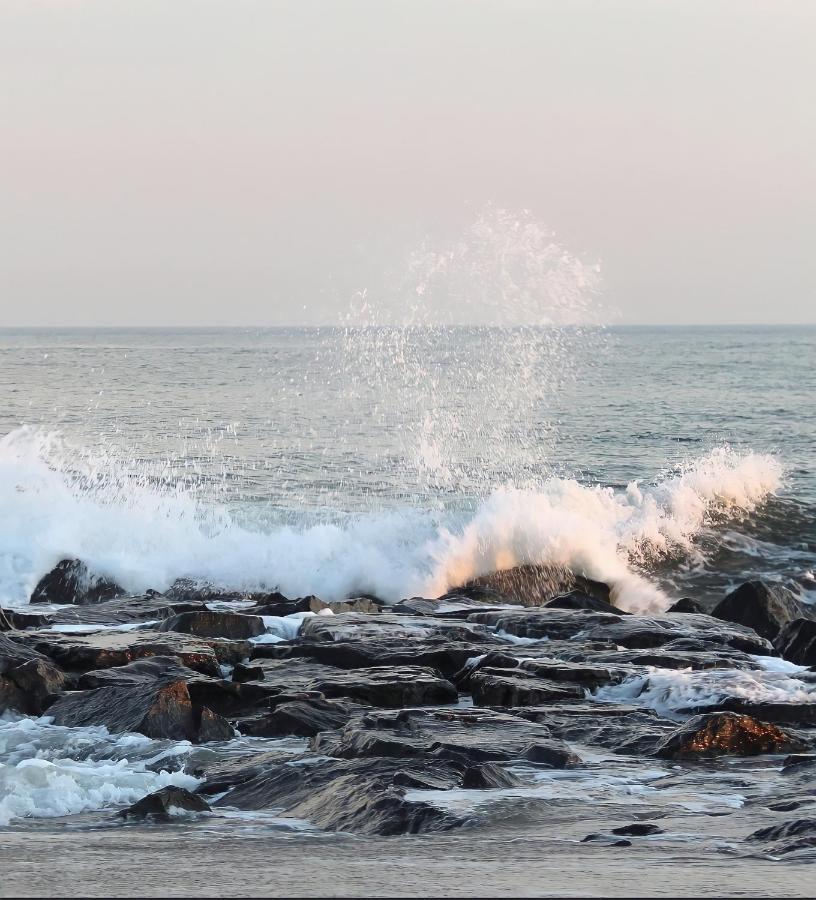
(186,862)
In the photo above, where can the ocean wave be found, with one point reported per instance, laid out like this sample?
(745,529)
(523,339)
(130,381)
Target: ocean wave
(144,537)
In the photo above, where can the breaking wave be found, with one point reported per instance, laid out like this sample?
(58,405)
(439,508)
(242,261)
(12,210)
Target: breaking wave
(146,536)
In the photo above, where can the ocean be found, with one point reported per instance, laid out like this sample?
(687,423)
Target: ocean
(671,461)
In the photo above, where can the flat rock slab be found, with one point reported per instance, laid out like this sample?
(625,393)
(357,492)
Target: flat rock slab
(101,650)
(389,686)
(470,736)
(359,627)
(633,632)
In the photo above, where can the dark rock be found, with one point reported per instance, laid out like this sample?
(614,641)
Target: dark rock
(470,736)
(122,611)
(243,673)
(28,680)
(798,762)
(209,623)
(531,585)
(403,629)
(624,729)
(15,620)
(435,652)
(766,608)
(580,600)
(304,718)
(489,776)
(512,687)
(686,605)
(81,653)
(165,804)
(638,829)
(363,796)
(212,727)
(630,631)
(70,581)
(158,710)
(802,714)
(725,734)
(609,840)
(794,828)
(796,642)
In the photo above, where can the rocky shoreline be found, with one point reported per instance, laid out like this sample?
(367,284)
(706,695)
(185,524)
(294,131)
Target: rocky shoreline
(403,706)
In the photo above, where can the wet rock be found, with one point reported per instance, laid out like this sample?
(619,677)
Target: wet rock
(81,653)
(304,718)
(638,829)
(725,734)
(212,727)
(798,762)
(158,710)
(403,629)
(166,804)
(435,652)
(28,680)
(629,631)
(531,585)
(621,728)
(609,840)
(470,736)
(362,796)
(70,581)
(580,600)
(795,828)
(687,605)
(242,673)
(123,611)
(802,714)
(15,620)
(796,642)
(489,776)
(509,687)
(209,623)
(766,608)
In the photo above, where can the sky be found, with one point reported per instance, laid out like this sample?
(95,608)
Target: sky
(256,162)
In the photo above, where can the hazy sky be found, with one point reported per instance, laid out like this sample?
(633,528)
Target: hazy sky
(236,162)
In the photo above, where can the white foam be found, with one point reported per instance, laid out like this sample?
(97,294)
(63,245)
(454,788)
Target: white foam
(86,628)
(669,691)
(48,770)
(144,537)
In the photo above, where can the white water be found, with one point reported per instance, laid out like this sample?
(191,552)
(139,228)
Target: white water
(48,770)
(144,537)
(669,691)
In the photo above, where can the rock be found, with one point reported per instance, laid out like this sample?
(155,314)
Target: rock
(304,718)
(362,796)
(70,581)
(638,829)
(166,804)
(158,710)
(609,840)
(580,600)
(157,697)
(796,828)
(388,686)
(81,653)
(470,736)
(208,623)
(686,605)
(531,585)
(15,620)
(766,608)
(242,673)
(122,611)
(796,642)
(435,652)
(402,629)
(629,631)
(725,734)
(28,680)
(513,687)
(489,776)
(212,727)
(798,762)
